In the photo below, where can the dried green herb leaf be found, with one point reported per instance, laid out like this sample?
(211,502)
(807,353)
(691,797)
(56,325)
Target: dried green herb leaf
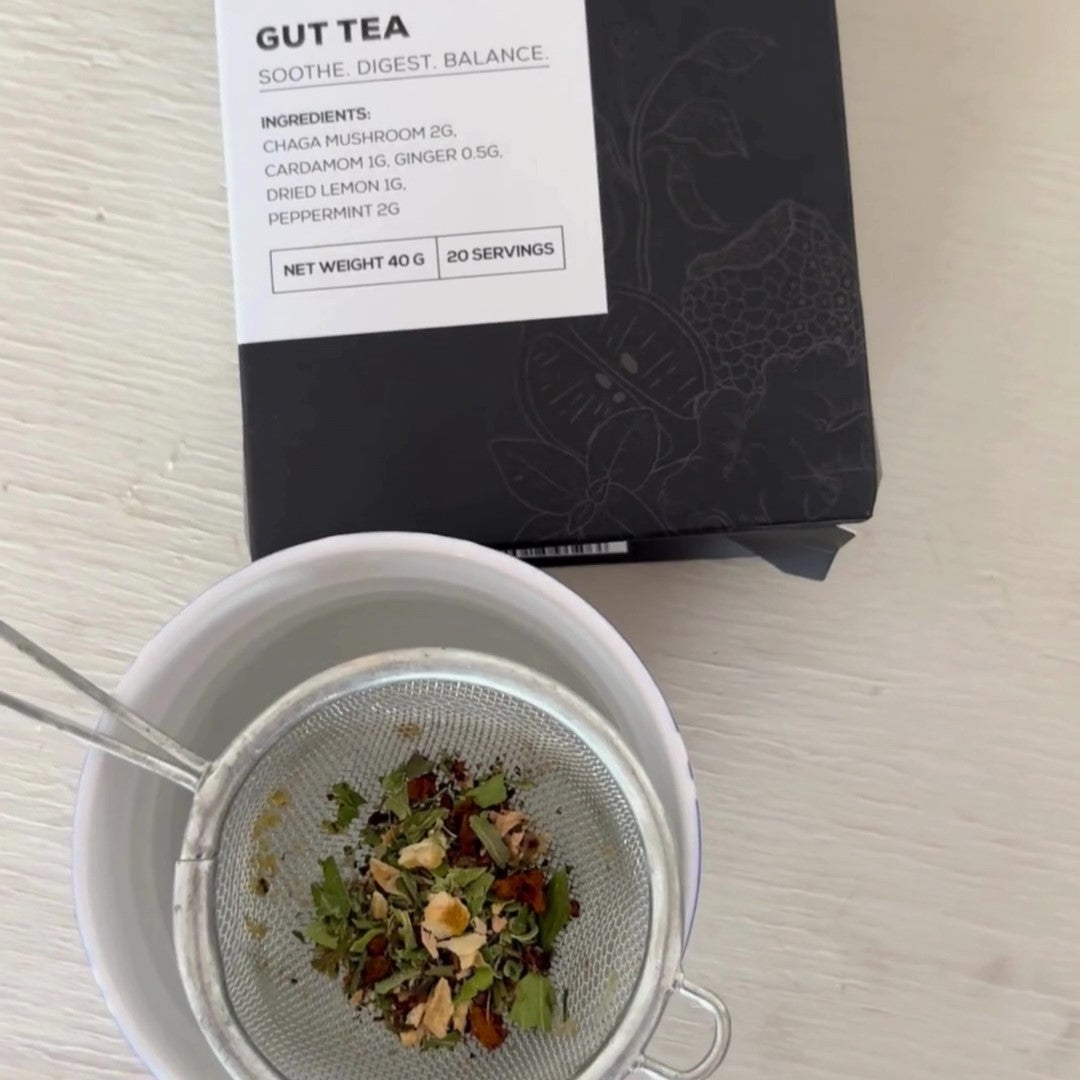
(395,794)
(326,961)
(451,1040)
(361,943)
(348,802)
(407,884)
(419,824)
(475,893)
(492,792)
(534,1003)
(557,910)
(489,836)
(513,969)
(459,878)
(372,837)
(479,981)
(501,996)
(404,925)
(418,765)
(318,933)
(331,897)
(392,982)
(524,927)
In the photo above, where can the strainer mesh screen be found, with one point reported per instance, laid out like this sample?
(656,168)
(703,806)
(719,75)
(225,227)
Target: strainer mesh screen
(299,1019)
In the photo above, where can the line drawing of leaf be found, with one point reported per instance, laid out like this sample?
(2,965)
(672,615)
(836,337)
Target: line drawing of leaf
(731,50)
(687,199)
(542,529)
(624,510)
(709,124)
(624,449)
(544,478)
(607,146)
(612,219)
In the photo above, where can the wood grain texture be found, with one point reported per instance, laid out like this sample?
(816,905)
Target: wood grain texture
(889,764)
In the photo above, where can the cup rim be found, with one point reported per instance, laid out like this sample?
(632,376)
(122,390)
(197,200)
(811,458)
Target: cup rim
(183,627)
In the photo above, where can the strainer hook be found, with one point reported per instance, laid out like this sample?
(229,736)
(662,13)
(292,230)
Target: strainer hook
(179,765)
(721,1040)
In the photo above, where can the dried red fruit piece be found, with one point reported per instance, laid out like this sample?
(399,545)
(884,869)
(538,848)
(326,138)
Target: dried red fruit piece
(575,909)
(527,888)
(421,788)
(488,1028)
(468,844)
(375,968)
(535,959)
(377,946)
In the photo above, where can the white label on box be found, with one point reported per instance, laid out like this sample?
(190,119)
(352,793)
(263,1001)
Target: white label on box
(431,164)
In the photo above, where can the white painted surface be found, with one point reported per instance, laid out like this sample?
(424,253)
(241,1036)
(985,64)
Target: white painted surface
(889,764)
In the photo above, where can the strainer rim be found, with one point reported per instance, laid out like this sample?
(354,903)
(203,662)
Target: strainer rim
(194,917)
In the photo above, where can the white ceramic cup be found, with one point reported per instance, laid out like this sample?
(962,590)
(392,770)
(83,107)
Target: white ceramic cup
(255,635)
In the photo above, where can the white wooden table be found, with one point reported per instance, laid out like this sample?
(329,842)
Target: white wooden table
(889,763)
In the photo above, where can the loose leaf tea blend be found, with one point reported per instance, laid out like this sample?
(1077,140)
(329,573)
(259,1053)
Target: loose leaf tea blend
(446,922)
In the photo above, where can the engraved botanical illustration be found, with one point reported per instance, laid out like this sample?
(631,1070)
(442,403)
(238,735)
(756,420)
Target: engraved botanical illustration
(658,417)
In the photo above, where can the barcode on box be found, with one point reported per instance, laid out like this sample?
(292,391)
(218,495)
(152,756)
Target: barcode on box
(573,551)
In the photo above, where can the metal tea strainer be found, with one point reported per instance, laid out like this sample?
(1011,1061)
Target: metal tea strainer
(255,821)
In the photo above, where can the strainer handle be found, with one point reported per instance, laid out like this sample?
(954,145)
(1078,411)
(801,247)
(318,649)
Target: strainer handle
(721,1041)
(185,768)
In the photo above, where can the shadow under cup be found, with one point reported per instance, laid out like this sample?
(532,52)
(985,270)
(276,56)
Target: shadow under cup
(255,636)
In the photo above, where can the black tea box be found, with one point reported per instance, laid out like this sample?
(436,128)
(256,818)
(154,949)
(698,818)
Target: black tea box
(575,280)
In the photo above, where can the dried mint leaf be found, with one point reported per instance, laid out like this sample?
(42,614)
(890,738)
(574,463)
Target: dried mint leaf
(489,836)
(392,982)
(419,824)
(318,933)
(331,897)
(492,792)
(395,794)
(534,1003)
(348,802)
(418,765)
(557,911)
(361,943)
(479,981)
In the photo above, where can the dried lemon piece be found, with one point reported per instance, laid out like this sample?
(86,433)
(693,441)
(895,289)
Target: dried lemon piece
(461,1017)
(386,877)
(440,1010)
(430,942)
(416,1016)
(380,907)
(445,916)
(466,948)
(428,854)
(508,820)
